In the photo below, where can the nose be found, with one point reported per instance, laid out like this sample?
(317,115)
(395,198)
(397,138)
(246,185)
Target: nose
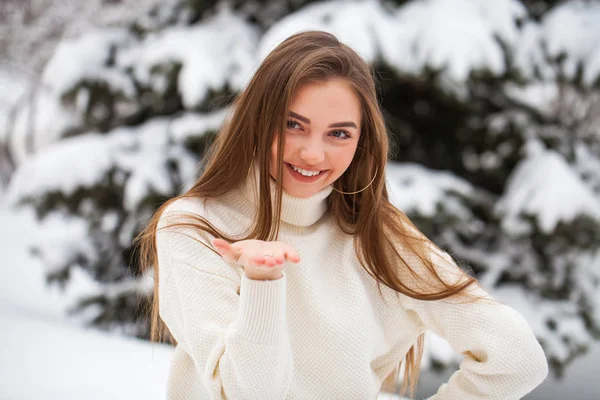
(312,152)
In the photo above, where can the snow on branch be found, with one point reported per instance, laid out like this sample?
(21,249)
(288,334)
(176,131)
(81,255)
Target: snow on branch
(545,187)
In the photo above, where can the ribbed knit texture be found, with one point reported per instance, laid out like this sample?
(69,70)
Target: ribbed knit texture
(264,302)
(322,331)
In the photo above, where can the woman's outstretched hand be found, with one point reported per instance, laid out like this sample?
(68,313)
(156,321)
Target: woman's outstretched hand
(261,260)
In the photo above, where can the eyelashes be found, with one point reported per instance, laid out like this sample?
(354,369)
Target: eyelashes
(343,132)
(291,124)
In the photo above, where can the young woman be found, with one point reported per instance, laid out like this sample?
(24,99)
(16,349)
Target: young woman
(286,273)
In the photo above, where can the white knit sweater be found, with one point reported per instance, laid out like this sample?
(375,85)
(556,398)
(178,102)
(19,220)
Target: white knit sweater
(322,331)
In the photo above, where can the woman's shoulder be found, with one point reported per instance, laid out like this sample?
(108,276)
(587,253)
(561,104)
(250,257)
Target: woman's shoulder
(217,212)
(180,239)
(181,210)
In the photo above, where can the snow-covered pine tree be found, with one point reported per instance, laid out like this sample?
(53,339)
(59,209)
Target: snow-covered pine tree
(493,111)
(525,211)
(131,109)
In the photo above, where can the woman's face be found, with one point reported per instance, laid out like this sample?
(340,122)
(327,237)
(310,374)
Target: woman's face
(322,133)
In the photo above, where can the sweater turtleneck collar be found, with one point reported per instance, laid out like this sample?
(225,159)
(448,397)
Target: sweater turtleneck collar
(294,210)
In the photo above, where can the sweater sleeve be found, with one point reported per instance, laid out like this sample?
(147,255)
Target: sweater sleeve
(502,358)
(233,328)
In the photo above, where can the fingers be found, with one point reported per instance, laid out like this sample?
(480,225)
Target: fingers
(282,258)
(279,259)
(273,260)
(268,260)
(220,244)
(266,254)
(291,254)
(280,252)
(227,251)
(295,258)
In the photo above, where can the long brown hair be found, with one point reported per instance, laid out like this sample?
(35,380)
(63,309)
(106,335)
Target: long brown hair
(380,230)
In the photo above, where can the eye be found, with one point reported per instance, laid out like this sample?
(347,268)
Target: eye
(340,134)
(293,124)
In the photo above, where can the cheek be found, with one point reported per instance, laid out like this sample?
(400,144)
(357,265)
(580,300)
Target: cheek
(289,148)
(344,158)
(274,152)
(273,156)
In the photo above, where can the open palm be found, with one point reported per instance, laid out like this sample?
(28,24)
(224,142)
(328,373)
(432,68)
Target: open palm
(257,256)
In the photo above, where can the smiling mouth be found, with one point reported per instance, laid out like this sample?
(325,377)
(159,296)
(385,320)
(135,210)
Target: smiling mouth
(305,178)
(295,168)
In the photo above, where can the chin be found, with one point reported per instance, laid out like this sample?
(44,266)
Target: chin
(303,194)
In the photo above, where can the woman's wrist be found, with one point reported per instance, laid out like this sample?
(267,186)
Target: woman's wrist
(264,277)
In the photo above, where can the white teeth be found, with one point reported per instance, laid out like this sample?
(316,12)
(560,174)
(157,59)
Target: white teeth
(305,172)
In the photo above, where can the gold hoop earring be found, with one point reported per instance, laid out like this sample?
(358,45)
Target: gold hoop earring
(363,189)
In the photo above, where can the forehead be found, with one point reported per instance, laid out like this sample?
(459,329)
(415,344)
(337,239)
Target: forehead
(329,101)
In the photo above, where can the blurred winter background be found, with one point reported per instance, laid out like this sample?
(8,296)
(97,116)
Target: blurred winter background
(107,106)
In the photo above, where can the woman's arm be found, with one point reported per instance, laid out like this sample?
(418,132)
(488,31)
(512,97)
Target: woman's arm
(237,340)
(502,358)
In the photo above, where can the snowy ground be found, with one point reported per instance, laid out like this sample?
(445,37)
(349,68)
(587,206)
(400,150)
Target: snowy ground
(67,362)
(47,358)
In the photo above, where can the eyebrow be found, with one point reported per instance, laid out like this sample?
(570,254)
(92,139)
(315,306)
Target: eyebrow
(345,124)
